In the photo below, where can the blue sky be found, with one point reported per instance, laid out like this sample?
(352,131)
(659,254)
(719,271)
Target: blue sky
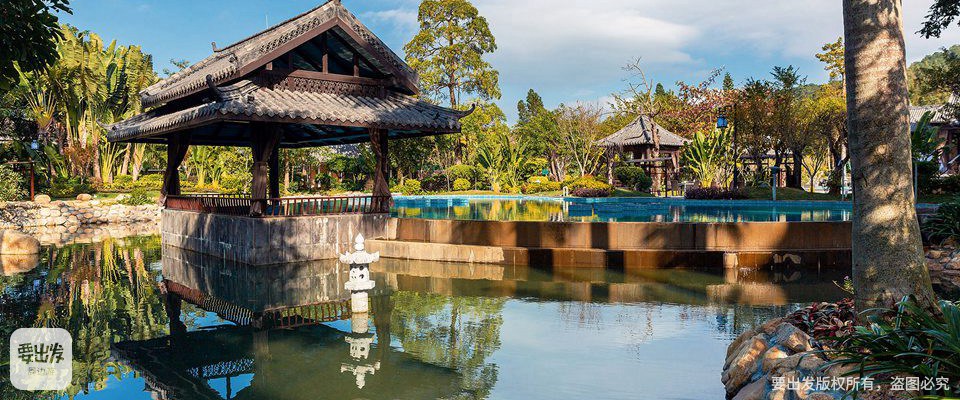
(568,50)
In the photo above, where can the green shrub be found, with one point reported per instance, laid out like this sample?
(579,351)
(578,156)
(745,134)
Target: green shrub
(138,197)
(926,174)
(540,184)
(906,341)
(945,223)
(587,182)
(945,185)
(152,182)
(236,184)
(69,188)
(461,171)
(12,187)
(408,187)
(461,184)
(121,183)
(435,183)
(633,178)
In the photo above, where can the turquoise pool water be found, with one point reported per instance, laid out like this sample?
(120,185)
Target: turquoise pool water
(516,208)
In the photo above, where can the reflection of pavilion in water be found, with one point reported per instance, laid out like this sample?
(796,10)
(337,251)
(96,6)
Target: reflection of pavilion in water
(262,357)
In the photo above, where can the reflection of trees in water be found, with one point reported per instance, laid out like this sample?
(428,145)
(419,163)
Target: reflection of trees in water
(455,332)
(100,293)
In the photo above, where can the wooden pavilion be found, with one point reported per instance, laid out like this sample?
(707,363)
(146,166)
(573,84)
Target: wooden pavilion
(321,78)
(635,143)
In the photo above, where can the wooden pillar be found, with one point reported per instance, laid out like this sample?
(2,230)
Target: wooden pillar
(275,173)
(177,146)
(265,138)
(379,144)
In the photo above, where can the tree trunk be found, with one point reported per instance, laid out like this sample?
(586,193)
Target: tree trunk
(888,260)
(125,165)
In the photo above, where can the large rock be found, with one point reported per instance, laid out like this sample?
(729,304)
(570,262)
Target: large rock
(742,365)
(41,199)
(11,264)
(792,338)
(17,243)
(84,197)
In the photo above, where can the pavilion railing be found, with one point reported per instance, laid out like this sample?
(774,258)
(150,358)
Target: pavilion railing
(240,205)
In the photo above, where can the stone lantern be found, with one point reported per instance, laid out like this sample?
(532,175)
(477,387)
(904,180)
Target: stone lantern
(359,283)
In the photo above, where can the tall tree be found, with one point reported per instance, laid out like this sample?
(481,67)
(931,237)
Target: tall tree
(728,82)
(832,57)
(537,126)
(888,261)
(448,53)
(30,32)
(941,15)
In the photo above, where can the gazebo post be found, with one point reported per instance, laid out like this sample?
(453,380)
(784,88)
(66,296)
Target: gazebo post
(177,147)
(275,173)
(379,144)
(265,140)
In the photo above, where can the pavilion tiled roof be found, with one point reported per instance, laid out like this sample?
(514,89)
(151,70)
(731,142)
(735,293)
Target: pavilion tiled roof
(233,61)
(638,132)
(246,101)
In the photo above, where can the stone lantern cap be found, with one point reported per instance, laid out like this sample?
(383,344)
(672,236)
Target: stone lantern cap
(360,256)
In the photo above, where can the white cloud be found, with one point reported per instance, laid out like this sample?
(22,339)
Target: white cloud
(571,50)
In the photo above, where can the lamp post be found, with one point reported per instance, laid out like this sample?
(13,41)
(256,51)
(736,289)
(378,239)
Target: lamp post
(723,121)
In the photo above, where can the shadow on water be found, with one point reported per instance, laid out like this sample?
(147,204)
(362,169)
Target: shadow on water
(439,330)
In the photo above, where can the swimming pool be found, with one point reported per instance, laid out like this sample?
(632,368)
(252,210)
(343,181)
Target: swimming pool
(622,209)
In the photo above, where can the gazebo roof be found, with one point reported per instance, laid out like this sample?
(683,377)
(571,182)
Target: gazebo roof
(638,132)
(245,56)
(322,77)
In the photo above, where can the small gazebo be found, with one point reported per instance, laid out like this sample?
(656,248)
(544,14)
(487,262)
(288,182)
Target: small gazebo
(321,78)
(635,142)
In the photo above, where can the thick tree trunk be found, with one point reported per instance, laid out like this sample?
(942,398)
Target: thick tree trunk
(888,261)
(125,165)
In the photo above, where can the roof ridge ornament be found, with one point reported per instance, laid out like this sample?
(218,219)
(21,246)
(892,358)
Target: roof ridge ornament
(215,48)
(216,91)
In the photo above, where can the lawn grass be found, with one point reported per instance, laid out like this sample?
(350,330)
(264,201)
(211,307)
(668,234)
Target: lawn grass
(620,192)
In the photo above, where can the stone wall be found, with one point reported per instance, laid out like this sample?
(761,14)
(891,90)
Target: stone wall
(264,241)
(24,214)
(944,265)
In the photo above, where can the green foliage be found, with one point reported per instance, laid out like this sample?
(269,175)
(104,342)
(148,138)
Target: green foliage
(448,51)
(152,181)
(925,143)
(69,188)
(13,184)
(932,79)
(540,184)
(121,183)
(465,172)
(939,17)
(927,172)
(826,320)
(30,32)
(832,56)
(435,183)
(906,341)
(587,182)
(461,184)
(408,187)
(138,197)
(945,185)
(708,157)
(590,192)
(633,178)
(945,223)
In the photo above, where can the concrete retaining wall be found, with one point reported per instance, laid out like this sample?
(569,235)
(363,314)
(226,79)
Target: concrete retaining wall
(740,236)
(262,241)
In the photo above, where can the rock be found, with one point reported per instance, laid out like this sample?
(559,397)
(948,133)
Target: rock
(771,356)
(743,364)
(792,338)
(84,197)
(18,243)
(41,199)
(11,264)
(807,362)
(753,391)
(823,396)
(121,197)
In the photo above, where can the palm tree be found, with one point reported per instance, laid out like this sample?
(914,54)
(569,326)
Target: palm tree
(888,260)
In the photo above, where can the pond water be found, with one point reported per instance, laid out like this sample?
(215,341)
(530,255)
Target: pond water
(437,330)
(623,209)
